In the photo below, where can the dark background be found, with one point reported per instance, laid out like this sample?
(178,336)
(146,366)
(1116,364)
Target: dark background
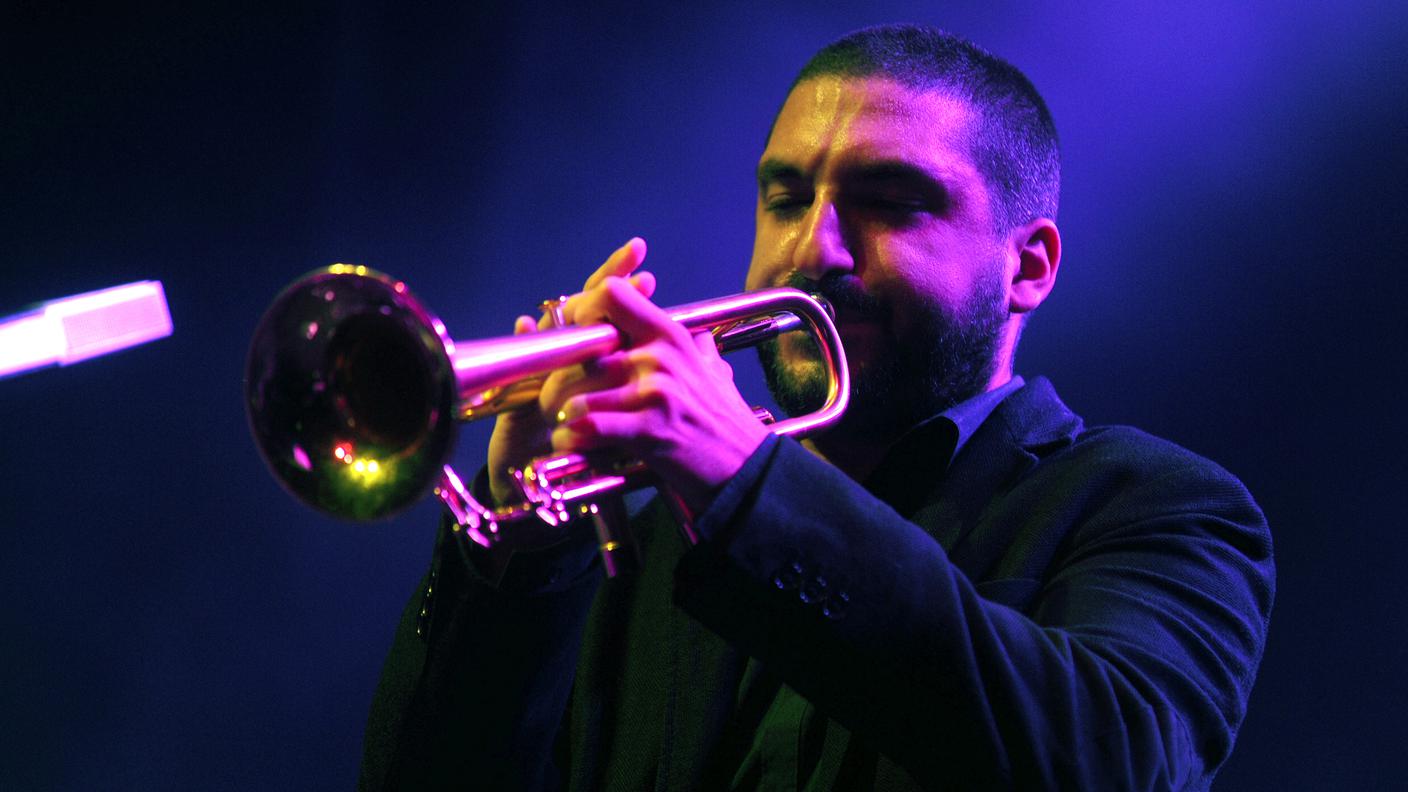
(1236,191)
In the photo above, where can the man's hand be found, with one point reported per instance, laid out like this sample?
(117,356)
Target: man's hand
(521,435)
(667,399)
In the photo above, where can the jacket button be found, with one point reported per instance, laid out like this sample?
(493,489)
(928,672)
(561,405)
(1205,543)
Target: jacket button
(426,603)
(789,577)
(835,605)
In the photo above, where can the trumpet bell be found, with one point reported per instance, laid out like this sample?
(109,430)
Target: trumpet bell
(351,394)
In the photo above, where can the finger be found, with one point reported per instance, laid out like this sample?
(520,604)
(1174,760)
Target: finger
(619,303)
(524,324)
(596,431)
(626,396)
(643,282)
(622,262)
(709,351)
(634,314)
(611,371)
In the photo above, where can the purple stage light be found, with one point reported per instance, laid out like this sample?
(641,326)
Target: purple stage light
(70,329)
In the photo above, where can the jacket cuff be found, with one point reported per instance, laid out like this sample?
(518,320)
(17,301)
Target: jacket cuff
(726,504)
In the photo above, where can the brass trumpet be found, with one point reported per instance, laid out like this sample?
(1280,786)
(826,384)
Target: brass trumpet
(353,389)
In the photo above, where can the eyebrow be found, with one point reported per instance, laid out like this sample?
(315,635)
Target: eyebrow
(773,170)
(894,171)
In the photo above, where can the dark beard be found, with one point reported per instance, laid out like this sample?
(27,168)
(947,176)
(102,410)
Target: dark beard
(947,360)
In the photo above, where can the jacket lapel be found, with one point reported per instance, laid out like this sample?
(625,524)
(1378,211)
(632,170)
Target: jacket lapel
(1024,427)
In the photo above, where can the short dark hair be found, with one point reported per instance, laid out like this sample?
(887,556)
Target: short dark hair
(1014,145)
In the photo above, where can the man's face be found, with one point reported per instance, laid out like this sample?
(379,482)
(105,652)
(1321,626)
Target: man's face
(867,189)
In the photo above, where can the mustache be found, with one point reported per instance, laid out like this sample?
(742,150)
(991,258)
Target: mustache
(844,293)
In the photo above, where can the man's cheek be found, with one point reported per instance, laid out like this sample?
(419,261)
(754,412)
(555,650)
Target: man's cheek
(798,348)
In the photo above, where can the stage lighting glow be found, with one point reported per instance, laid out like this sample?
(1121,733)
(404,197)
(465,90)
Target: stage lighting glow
(72,329)
(365,472)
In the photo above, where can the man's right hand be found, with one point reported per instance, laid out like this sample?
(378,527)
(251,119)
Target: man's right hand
(523,434)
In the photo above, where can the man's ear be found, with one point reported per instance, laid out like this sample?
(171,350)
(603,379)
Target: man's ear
(1037,245)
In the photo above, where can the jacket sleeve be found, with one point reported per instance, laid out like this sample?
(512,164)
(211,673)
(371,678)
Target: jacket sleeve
(473,692)
(1128,667)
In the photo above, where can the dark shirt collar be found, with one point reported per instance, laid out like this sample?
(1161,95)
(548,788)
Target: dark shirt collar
(968,415)
(923,454)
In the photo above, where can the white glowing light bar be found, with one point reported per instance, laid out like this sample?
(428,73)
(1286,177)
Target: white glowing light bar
(76,328)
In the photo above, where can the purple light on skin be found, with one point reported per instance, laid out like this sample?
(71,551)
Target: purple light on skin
(72,329)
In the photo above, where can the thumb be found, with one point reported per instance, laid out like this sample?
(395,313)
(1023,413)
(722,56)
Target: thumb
(709,354)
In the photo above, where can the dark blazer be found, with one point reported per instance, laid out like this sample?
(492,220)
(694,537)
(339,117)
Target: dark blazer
(1061,607)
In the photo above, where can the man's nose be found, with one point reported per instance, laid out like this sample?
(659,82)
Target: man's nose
(822,248)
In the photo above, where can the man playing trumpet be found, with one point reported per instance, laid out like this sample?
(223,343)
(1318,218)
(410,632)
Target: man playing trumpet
(959,586)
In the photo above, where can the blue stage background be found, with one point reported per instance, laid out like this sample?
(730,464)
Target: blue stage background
(1235,205)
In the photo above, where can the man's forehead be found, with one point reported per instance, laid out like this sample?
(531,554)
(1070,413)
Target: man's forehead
(848,119)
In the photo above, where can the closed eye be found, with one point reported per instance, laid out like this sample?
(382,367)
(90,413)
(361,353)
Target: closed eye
(784,203)
(895,189)
(897,209)
(894,203)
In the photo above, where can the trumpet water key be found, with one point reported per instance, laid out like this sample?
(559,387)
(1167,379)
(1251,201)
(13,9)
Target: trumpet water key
(353,390)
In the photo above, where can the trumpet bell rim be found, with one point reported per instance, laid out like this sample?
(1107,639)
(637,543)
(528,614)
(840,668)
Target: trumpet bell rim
(351,394)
